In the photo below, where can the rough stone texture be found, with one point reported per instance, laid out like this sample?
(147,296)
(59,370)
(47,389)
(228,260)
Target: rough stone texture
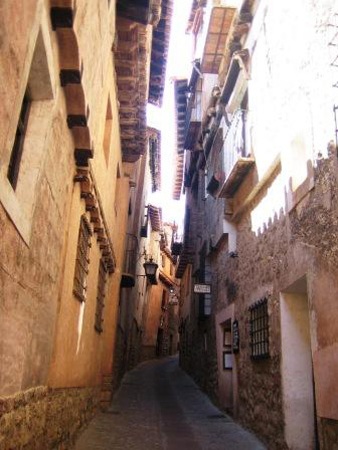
(285,217)
(328,434)
(259,272)
(264,261)
(42,418)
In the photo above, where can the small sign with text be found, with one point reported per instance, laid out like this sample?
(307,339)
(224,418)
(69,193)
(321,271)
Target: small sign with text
(202,288)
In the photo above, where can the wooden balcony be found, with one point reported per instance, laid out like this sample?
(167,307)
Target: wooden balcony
(141,11)
(194,112)
(237,155)
(193,120)
(220,25)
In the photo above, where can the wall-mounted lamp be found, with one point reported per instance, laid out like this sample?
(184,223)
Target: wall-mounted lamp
(150,268)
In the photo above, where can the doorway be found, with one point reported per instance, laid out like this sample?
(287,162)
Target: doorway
(227,364)
(297,368)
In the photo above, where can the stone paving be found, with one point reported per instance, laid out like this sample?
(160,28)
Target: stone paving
(158,406)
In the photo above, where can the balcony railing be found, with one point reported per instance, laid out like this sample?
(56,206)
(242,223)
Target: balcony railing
(218,24)
(193,120)
(237,154)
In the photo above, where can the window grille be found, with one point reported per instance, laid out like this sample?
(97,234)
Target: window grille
(259,329)
(82,260)
(15,159)
(101,293)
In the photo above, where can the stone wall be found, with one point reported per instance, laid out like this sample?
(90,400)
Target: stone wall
(198,354)
(42,418)
(328,432)
(289,246)
(148,352)
(300,241)
(284,214)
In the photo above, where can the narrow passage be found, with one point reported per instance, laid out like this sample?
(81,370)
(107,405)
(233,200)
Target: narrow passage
(158,406)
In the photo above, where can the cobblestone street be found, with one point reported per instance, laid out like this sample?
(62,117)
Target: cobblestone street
(159,407)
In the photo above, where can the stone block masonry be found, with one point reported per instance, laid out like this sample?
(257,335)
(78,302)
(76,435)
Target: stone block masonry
(328,432)
(43,418)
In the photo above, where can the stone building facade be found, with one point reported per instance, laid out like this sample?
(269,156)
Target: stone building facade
(75,79)
(260,182)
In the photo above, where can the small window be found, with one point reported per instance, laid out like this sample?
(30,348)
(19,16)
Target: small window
(107,132)
(101,293)
(26,144)
(118,190)
(15,159)
(259,329)
(82,260)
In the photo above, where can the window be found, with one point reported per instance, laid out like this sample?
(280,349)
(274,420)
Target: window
(259,329)
(107,132)
(15,159)
(82,260)
(118,190)
(27,144)
(101,293)
(227,346)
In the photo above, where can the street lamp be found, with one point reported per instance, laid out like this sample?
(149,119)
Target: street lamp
(150,268)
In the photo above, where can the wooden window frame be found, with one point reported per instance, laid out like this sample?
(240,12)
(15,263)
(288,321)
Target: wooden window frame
(82,259)
(259,330)
(100,297)
(17,149)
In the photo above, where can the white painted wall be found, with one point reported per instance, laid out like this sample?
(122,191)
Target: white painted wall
(291,96)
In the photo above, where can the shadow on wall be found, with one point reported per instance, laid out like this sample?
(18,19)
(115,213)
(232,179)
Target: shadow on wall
(280,196)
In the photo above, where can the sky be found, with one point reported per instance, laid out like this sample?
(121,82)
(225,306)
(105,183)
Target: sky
(178,65)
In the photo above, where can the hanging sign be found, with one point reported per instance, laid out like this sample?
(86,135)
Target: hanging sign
(235,336)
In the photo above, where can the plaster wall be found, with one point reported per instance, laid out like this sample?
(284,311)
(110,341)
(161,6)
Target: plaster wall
(75,336)
(153,315)
(291,81)
(32,216)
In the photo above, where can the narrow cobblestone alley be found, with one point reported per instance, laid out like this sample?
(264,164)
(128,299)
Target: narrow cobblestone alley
(159,407)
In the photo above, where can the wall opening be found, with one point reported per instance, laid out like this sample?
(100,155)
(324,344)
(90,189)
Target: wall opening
(108,132)
(227,364)
(297,369)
